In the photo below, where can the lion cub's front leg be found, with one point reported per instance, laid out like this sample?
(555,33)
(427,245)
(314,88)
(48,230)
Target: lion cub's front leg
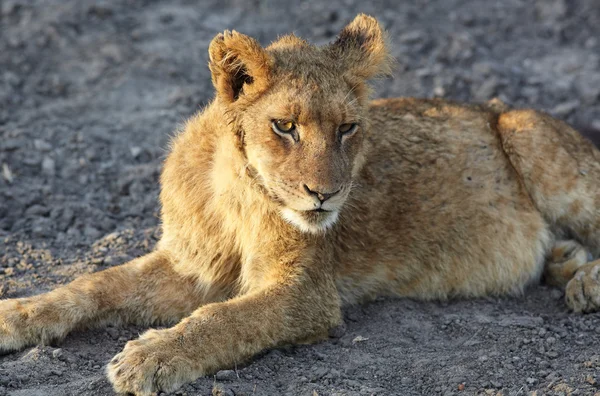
(145,290)
(222,334)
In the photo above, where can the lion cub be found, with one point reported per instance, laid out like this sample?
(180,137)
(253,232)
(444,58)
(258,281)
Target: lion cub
(291,194)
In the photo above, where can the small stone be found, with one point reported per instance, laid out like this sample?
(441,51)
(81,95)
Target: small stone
(359,339)
(42,145)
(7,173)
(11,144)
(496,384)
(411,37)
(439,91)
(482,68)
(220,390)
(58,354)
(522,321)
(588,86)
(226,375)
(319,373)
(12,79)
(100,11)
(37,210)
(91,232)
(590,380)
(565,108)
(48,166)
(556,294)
(135,151)
(9,7)
(551,10)
(486,90)
(113,333)
(109,260)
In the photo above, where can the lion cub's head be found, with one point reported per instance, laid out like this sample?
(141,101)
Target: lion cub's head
(300,113)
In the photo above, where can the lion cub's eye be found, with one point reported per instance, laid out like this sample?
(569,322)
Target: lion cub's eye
(347,129)
(283,126)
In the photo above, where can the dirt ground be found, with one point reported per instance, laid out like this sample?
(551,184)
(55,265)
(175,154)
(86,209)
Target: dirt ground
(91,91)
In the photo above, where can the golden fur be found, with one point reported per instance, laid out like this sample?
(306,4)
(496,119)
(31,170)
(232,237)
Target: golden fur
(266,234)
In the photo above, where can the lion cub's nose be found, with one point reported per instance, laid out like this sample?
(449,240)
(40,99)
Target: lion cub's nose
(322,196)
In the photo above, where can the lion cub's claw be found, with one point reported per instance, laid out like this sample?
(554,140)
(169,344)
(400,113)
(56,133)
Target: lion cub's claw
(583,291)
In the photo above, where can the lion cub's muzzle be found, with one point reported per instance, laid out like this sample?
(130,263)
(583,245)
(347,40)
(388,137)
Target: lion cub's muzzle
(321,197)
(313,209)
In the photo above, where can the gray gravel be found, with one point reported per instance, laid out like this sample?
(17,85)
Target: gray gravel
(90,92)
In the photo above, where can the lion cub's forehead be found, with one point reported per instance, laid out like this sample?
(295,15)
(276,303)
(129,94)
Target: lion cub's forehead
(310,103)
(303,60)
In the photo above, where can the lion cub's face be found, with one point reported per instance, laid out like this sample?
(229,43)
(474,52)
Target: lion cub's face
(304,139)
(300,113)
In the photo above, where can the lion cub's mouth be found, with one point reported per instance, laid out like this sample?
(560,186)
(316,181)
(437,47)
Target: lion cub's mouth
(314,221)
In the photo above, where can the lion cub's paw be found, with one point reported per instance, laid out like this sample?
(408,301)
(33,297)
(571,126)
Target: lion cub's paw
(14,330)
(583,291)
(150,364)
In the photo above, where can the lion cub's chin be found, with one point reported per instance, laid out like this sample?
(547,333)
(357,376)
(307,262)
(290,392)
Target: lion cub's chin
(310,221)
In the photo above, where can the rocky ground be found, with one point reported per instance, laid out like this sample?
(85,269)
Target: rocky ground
(91,91)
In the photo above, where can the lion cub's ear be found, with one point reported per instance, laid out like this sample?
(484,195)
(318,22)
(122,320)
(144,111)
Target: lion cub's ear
(362,47)
(239,65)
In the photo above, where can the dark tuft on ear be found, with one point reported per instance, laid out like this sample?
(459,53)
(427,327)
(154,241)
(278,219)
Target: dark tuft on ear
(238,64)
(362,47)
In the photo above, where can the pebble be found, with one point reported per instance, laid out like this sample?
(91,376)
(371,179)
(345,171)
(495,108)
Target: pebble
(7,173)
(135,151)
(226,375)
(42,145)
(486,90)
(58,354)
(11,144)
(220,390)
(588,87)
(113,333)
(37,210)
(359,338)
(48,166)
(531,322)
(565,108)
(551,10)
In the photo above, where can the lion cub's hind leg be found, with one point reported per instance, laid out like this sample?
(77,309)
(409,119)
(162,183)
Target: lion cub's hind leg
(564,261)
(583,291)
(560,169)
(568,267)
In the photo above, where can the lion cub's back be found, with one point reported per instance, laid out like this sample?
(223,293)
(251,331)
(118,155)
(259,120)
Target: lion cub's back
(439,209)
